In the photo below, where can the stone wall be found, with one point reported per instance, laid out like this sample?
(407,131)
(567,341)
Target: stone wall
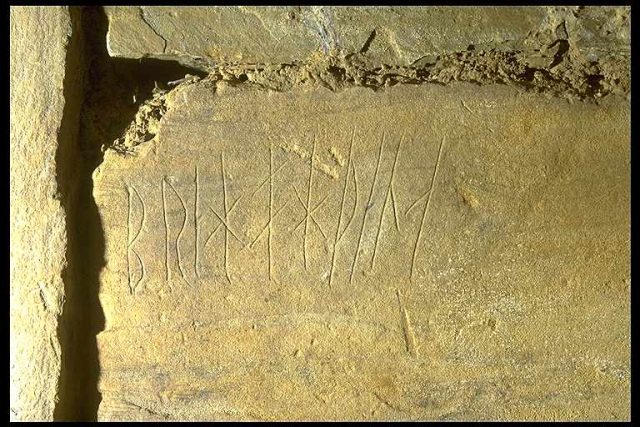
(285,213)
(45,101)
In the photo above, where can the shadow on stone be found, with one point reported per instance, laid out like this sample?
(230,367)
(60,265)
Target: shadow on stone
(102,97)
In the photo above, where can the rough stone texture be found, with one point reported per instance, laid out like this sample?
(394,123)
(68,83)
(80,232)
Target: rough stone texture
(390,35)
(40,143)
(569,51)
(486,276)
(419,252)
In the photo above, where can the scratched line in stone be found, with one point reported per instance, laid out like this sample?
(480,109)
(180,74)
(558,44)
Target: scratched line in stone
(268,227)
(344,194)
(242,196)
(226,213)
(180,233)
(269,249)
(426,209)
(388,193)
(354,175)
(308,214)
(366,211)
(131,241)
(175,218)
(195,224)
(166,230)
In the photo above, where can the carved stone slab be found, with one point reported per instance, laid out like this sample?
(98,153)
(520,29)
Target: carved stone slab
(420,252)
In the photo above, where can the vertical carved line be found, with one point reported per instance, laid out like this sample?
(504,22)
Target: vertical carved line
(132,240)
(129,239)
(395,210)
(166,230)
(270,205)
(355,199)
(264,182)
(265,228)
(384,204)
(344,194)
(366,211)
(182,228)
(409,335)
(135,238)
(226,211)
(426,209)
(195,224)
(306,223)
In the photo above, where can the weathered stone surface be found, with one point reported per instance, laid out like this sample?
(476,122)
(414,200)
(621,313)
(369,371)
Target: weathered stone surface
(421,252)
(204,36)
(581,52)
(40,142)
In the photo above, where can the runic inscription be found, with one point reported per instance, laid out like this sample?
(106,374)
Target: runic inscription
(209,202)
(361,254)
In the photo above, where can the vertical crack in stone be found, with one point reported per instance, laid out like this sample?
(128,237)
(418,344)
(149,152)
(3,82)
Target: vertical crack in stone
(102,97)
(152,28)
(82,314)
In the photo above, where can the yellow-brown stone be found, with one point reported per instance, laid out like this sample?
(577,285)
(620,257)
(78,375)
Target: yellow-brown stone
(468,258)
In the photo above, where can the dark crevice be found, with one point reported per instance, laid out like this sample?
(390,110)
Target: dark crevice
(563,48)
(367,44)
(78,349)
(83,317)
(112,92)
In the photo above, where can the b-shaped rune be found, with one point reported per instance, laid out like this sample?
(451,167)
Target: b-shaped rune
(131,241)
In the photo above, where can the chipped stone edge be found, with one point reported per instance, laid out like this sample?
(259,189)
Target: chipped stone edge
(568,79)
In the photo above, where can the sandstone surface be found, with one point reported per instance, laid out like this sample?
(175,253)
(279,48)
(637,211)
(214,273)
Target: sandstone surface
(419,252)
(567,51)
(389,35)
(40,147)
(319,213)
